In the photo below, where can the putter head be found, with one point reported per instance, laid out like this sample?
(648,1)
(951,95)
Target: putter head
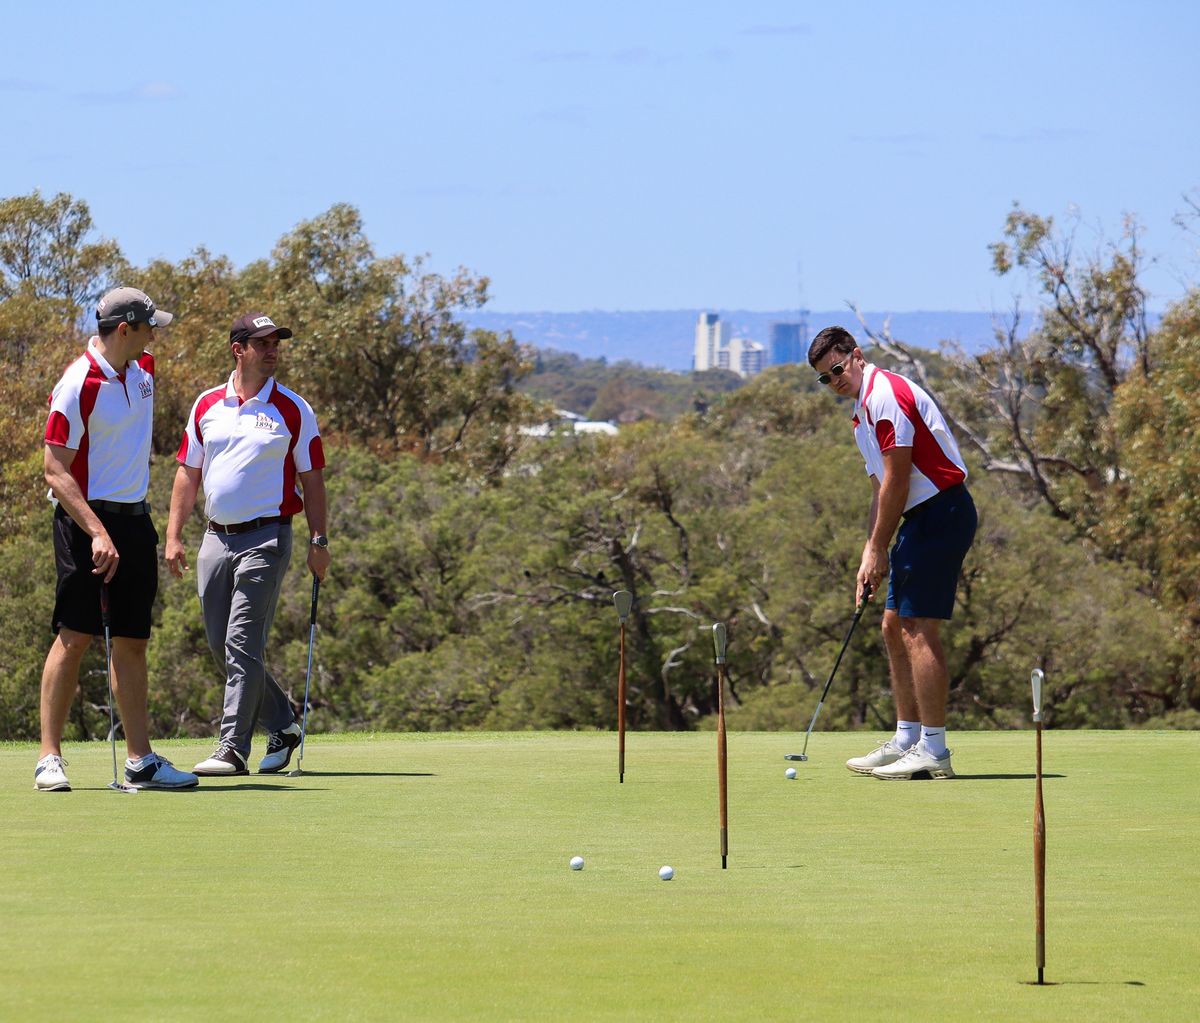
(623,600)
(116,786)
(795,756)
(295,773)
(720,638)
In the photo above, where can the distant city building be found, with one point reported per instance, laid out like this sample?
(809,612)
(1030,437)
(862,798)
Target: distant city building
(744,357)
(787,341)
(715,349)
(711,336)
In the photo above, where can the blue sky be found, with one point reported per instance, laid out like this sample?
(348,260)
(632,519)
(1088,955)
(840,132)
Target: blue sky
(623,155)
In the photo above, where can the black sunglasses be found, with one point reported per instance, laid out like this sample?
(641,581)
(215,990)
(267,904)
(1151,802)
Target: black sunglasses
(836,370)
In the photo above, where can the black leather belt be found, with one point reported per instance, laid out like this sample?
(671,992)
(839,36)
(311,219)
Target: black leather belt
(245,527)
(941,495)
(117,508)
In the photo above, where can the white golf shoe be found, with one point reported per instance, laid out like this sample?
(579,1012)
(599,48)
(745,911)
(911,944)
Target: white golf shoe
(155,772)
(225,760)
(880,756)
(279,749)
(49,775)
(917,762)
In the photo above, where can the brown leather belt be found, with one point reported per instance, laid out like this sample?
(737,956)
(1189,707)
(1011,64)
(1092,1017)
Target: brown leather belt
(245,527)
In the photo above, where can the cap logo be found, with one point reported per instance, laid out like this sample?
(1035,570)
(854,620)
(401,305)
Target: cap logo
(263,321)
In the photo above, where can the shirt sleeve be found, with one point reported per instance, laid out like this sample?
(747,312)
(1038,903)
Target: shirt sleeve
(191,447)
(64,427)
(308,453)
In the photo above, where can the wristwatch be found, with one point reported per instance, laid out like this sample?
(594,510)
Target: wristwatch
(321,541)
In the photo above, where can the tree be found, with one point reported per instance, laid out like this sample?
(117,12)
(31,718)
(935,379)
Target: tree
(380,349)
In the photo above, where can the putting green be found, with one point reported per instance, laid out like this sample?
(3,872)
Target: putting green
(426,877)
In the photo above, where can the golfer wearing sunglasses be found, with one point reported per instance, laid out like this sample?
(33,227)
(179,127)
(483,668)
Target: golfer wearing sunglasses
(919,496)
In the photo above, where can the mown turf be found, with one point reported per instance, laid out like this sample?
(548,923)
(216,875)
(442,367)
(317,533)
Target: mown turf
(426,877)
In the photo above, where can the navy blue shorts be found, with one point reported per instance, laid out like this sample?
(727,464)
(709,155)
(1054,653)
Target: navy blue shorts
(928,554)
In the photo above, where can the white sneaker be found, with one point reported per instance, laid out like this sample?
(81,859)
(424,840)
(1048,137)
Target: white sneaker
(155,772)
(49,775)
(917,762)
(880,756)
(279,749)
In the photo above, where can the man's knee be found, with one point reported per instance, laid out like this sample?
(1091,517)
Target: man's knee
(74,644)
(127,646)
(919,631)
(891,628)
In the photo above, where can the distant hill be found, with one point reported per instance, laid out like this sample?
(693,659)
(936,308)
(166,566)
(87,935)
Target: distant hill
(664,338)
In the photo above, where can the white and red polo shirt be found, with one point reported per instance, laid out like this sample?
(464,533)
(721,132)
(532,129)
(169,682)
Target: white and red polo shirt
(106,417)
(250,452)
(893,412)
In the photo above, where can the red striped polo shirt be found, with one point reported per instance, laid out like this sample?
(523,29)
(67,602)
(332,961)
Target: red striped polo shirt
(250,452)
(892,411)
(106,417)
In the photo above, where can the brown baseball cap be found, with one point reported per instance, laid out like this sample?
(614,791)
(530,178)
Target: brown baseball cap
(128,305)
(253,325)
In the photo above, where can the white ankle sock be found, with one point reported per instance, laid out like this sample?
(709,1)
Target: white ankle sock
(934,740)
(907,733)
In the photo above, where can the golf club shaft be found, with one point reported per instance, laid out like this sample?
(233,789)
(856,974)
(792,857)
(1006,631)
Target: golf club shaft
(106,621)
(722,764)
(1039,862)
(312,635)
(862,606)
(621,710)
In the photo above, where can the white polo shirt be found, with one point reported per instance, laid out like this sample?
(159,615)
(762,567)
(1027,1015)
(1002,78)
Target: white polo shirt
(893,412)
(106,417)
(250,452)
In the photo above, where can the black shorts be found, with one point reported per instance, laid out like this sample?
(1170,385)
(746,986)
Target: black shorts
(131,591)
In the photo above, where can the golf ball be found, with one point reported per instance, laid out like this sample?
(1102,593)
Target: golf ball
(576,862)
(666,873)
(790,773)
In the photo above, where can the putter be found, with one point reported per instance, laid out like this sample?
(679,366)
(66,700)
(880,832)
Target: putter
(862,606)
(623,600)
(1039,832)
(116,784)
(312,634)
(722,758)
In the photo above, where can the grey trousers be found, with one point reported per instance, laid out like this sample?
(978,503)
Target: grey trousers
(239,578)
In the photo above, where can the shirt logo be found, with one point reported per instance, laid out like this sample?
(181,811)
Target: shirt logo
(262,421)
(263,321)
(145,388)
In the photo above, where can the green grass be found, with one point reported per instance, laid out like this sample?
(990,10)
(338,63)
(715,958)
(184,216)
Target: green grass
(426,877)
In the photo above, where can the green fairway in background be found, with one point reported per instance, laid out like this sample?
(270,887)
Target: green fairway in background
(426,877)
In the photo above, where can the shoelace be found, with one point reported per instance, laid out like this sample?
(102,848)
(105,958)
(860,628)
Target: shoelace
(225,746)
(53,761)
(275,742)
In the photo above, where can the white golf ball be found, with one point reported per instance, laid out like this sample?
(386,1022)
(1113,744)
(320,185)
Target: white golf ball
(666,873)
(790,773)
(576,862)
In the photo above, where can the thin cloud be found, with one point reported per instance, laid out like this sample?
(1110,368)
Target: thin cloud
(22,85)
(1034,135)
(560,56)
(777,30)
(896,139)
(145,92)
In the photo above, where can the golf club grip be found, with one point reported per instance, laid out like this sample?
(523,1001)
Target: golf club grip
(105,619)
(312,615)
(1039,858)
